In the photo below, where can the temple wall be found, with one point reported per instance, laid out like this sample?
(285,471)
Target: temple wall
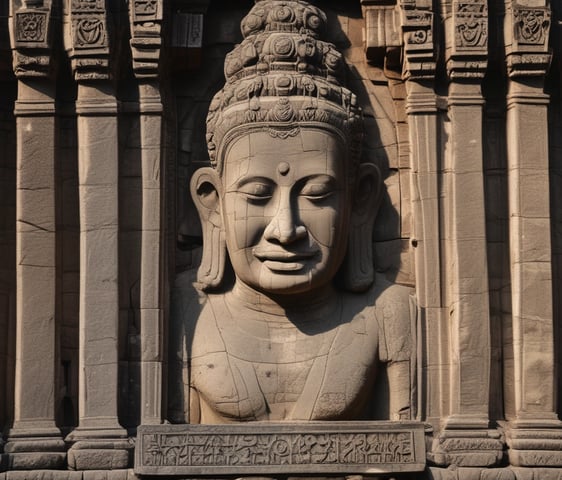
(99,139)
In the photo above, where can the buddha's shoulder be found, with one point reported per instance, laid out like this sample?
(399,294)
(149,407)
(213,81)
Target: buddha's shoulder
(186,296)
(384,297)
(395,312)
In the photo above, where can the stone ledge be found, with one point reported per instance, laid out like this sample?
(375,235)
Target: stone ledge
(506,473)
(69,475)
(431,473)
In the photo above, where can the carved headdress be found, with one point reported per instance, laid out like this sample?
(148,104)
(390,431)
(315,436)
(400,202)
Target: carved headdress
(283,77)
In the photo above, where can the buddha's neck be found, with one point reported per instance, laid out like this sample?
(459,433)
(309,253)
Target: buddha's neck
(321,299)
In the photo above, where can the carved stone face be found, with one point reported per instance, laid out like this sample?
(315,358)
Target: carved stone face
(286,209)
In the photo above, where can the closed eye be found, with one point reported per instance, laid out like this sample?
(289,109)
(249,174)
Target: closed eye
(317,189)
(256,191)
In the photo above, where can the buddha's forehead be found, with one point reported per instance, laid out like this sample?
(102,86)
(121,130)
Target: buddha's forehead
(307,152)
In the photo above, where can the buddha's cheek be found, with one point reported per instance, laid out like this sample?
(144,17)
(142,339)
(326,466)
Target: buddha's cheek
(244,223)
(324,225)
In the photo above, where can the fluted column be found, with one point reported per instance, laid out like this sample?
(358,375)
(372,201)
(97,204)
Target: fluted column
(535,434)
(145,45)
(99,441)
(34,441)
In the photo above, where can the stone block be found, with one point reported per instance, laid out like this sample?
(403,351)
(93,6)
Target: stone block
(35,460)
(105,475)
(98,459)
(43,475)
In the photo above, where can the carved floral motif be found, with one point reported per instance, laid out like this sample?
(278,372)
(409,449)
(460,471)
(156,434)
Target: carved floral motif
(471,25)
(531,25)
(31,26)
(89,31)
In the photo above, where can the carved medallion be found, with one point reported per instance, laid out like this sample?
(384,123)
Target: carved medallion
(89,31)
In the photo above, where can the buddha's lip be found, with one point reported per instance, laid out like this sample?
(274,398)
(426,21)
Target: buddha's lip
(282,255)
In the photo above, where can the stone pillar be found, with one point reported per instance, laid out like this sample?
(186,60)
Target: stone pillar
(151,285)
(465,439)
(34,441)
(6,243)
(535,433)
(421,107)
(99,441)
(145,45)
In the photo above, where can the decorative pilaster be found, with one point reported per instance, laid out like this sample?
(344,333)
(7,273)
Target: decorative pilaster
(465,439)
(146,17)
(535,433)
(99,441)
(421,106)
(34,441)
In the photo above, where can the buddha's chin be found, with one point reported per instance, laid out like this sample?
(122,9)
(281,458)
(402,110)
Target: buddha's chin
(290,278)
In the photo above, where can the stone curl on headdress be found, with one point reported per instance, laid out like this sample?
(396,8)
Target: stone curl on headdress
(283,77)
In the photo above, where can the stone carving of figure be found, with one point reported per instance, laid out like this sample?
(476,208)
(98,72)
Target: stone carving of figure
(298,330)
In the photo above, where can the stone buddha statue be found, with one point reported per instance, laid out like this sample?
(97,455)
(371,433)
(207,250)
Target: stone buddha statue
(288,322)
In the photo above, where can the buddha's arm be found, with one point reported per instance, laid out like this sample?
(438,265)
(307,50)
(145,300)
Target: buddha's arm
(396,336)
(194,406)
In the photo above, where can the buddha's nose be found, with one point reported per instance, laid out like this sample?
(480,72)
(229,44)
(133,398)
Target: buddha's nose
(283,227)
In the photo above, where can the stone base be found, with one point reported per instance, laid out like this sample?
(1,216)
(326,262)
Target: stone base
(34,453)
(467,448)
(535,447)
(99,449)
(431,473)
(35,461)
(100,455)
(509,473)
(69,475)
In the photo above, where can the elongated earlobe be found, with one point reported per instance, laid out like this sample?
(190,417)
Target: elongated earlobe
(205,191)
(358,264)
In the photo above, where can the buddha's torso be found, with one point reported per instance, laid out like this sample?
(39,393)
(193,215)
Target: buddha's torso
(247,364)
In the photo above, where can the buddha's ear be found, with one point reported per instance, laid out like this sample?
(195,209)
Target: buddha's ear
(206,192)
(367,195)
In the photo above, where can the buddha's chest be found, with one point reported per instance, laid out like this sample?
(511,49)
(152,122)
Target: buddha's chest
(283,373)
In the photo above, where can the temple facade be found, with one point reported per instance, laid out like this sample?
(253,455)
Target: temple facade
(104,123)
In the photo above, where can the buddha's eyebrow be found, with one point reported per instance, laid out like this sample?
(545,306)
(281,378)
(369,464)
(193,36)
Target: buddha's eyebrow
(245,179)
(320,176)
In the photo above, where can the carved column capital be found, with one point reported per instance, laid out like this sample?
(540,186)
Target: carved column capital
(417,30)
(526,39)
(146,40)
(30,38)
(467,40)
(87,39)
